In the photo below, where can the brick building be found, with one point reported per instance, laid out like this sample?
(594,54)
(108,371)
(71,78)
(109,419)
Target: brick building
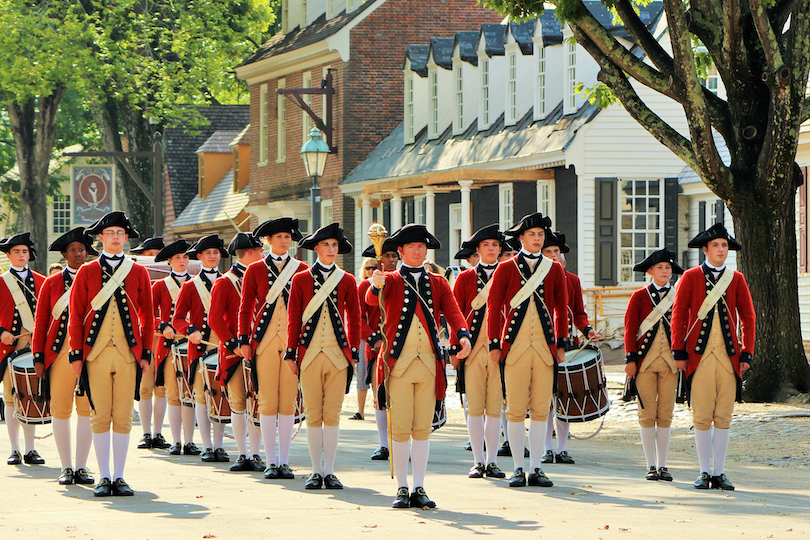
(361,43)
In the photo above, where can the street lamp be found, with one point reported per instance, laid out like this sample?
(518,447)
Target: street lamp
(314,153)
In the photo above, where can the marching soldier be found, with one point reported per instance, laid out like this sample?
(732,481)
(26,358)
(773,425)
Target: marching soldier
(532,336)
(51,362)
(149,247)
(649,358)
(413,367)
(323,333)
(370,334)
(19,288)
(224,320)
(711,304)
(111,326)
(482,378)
(555,249)
(263,339)
(165,293)
(191,318)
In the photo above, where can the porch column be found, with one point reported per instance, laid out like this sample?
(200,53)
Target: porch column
(466,216)
(396,210)
(365,202)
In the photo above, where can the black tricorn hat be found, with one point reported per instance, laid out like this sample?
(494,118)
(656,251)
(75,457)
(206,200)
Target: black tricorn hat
(387,246)
(529,221)
(114,219)
(413,232)
(332,230)
(243,240)
(718,230)
(273,226)
(464,253)
(556,238)
(73,235)
(212,241)
(22,239)
(150,243)
(178,246)
(489,232)
(661,256)
(512,244)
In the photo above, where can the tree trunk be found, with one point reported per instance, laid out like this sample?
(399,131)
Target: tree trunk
(766,230)
(33,125)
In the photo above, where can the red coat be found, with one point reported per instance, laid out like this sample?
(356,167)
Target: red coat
(164,306)
(50,333)
(301,292)
(465,289)
(255,285)
(7,312)
(139,299)
(394,303)
(189,316)
(691,293)
(223,319)
(576,304)
(369,318)
(507,283)
(638,308)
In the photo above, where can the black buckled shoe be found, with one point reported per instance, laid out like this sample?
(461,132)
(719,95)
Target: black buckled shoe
(145,442)
(208,456)
(82,477)
(403,499)
(721,482)
(419,499)
(652,474)
(33,458)
(564,457)
(271,472)
(314,481)
(285,472)
(121,488)
(494,472)
(330,481)
(547,457)
(103,488)
(15,458)
(518,478)
(380,454)
(703,481)
(176,450)
(66,478)
(477,471)
(159,442)
(539,478)
(190,449)
(242,463)
(221,455)
(258,463)
(505,450)
(663,474)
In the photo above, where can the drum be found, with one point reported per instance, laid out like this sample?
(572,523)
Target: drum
(181,367)
(582,386)
(252,399)
(30,405)
(219,410)
(300,416)
(439,415)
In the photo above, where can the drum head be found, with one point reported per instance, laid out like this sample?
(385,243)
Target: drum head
(209,358)
(22,360)
(182,347)
(577,357)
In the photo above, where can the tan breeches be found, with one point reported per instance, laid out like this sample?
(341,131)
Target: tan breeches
(148,383)
(713,391)
(237,393)
(170,387)
(482,382)
(112,385)
(63,389)
(323,386)
(657,387)
(529,384)
(413,400)
(278,387)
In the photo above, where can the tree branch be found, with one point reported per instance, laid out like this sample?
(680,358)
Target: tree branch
(780,14)
(770,43)
(638,30)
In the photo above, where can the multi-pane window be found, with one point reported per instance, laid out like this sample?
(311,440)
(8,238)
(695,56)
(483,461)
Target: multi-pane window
(303,13)
(409,109)
(511,88)
(455,227)
(281,123)
(541,80)
(420,210)
(434,104)
(326,212)
(641,212)
(459,98)
(306,120)
(506,206)
(349,6)
(61,214)
(330,9)
(710,83)
(485,93)
(545,194)
(571,74)
(263,123)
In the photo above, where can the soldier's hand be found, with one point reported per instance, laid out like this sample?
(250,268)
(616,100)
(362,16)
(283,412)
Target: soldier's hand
(77,368)
(168,332)
(455,361)
(681,365)
(593,335)
(466,347)
(293,365)
(144,365)
(744,366)
(631,369)
(195,337)
(560,355)
(39,367)
(244,351)
(7,338)
(238,352)
(495,356)
(378,279)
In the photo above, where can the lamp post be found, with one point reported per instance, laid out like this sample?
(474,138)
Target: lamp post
(314,152)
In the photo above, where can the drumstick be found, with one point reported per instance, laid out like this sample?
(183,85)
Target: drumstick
(202,342)
(23,335)
(587,342)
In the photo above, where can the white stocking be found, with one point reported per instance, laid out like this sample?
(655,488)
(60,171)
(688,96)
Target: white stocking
(549,445)
(475,427)
(662,445)
(492,432)
(13,426)
(401,453)
(286,425)
(61,435)
(219,434)
(537,434)
(315,444)
(648,445)
(382,427)
(101,442)
(562,434)
(254,437)
(205,425)
(160,414)
(420,451)
(145,410)
(268,426)
(188,414)
(84,439)
(239,431)
(517,439)
(29,432)
(703,445)
(331,435)
(120,442)
(719,449)
(175,422)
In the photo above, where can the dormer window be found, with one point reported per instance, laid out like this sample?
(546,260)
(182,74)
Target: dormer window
(350,6)
(511,89)
(434,103)
(485,93)
(409,109)
(201,176)
(541,80)
(330,8)
(303,13)
(459,123)
(571,73)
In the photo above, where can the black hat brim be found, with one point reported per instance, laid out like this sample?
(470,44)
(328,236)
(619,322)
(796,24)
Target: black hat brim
(326,232)
(414,233)
(114,219)
(273,226)
(175,248)
(660,256)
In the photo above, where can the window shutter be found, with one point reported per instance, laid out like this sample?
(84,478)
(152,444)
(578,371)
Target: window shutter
(701,227)
(606,231)
(720,211)
(671,214)
(803,256)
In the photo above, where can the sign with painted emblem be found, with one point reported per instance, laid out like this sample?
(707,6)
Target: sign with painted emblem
(92,192)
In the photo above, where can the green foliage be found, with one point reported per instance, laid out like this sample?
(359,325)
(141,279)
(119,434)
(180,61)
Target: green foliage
(600,95)
(515,9)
